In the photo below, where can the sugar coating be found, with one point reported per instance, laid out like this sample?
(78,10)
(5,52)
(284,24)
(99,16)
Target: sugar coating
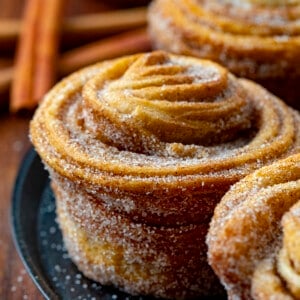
(253,259)
(139,173)
(254,39)
(137,258)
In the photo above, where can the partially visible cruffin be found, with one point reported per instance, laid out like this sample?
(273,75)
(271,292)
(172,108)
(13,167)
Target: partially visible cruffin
(254,236)
(256,39)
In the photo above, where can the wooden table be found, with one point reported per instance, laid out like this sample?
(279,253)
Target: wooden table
(15,283)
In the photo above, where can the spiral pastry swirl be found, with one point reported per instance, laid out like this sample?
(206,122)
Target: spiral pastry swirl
(140,150)
(256,39)
(254,237)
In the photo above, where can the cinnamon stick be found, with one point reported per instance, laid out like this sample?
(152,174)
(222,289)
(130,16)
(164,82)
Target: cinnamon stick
(130,42)
(36,55)
(6,75)
(106,22)
(46,51)
(21,92)
(77,27)
(122,44)
(9,31)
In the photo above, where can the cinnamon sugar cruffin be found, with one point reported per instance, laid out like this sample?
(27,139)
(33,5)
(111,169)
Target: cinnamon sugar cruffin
(256,39)
(254,236)
(251,39)
(140,150)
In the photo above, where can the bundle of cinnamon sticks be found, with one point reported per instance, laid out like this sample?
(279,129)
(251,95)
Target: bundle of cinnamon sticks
(38,63)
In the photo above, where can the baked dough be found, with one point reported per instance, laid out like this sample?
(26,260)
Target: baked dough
(254,236)
(140,149)
(256,39)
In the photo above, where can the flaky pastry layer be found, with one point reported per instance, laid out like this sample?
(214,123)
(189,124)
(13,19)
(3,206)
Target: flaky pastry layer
(254,39)
(155,140)
(163,128)
(141,259)
(254,236)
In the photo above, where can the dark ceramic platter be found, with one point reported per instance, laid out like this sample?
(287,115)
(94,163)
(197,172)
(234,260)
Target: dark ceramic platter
(39,241)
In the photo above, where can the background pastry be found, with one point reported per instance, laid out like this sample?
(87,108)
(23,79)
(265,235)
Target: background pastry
(140,150)
(254,237)
(259,40)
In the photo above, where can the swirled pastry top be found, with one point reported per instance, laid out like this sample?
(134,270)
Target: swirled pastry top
(159,119)
(253,38)
(254,237)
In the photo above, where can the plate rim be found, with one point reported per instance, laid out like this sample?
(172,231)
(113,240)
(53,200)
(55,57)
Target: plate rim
(19,240)
(21,244)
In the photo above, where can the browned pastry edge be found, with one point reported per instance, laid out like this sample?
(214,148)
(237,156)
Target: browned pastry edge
(99,133)
(246,54)
(137,258)
(253,240)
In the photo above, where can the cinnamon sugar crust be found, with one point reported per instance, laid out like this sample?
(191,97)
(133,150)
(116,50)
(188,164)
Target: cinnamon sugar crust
(253,240)
(140,150)
(259,40)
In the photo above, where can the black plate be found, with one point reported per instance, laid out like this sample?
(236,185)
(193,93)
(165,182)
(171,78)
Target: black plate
(39,240)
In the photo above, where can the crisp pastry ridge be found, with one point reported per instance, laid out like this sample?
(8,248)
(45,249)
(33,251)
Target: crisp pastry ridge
(140,149)
(254,236)
(259,39)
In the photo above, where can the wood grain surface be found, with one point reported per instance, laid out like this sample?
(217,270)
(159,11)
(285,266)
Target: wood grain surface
(14,281)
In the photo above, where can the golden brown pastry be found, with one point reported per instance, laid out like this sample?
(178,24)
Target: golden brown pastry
(140,150)
(254,236)
(257,39)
